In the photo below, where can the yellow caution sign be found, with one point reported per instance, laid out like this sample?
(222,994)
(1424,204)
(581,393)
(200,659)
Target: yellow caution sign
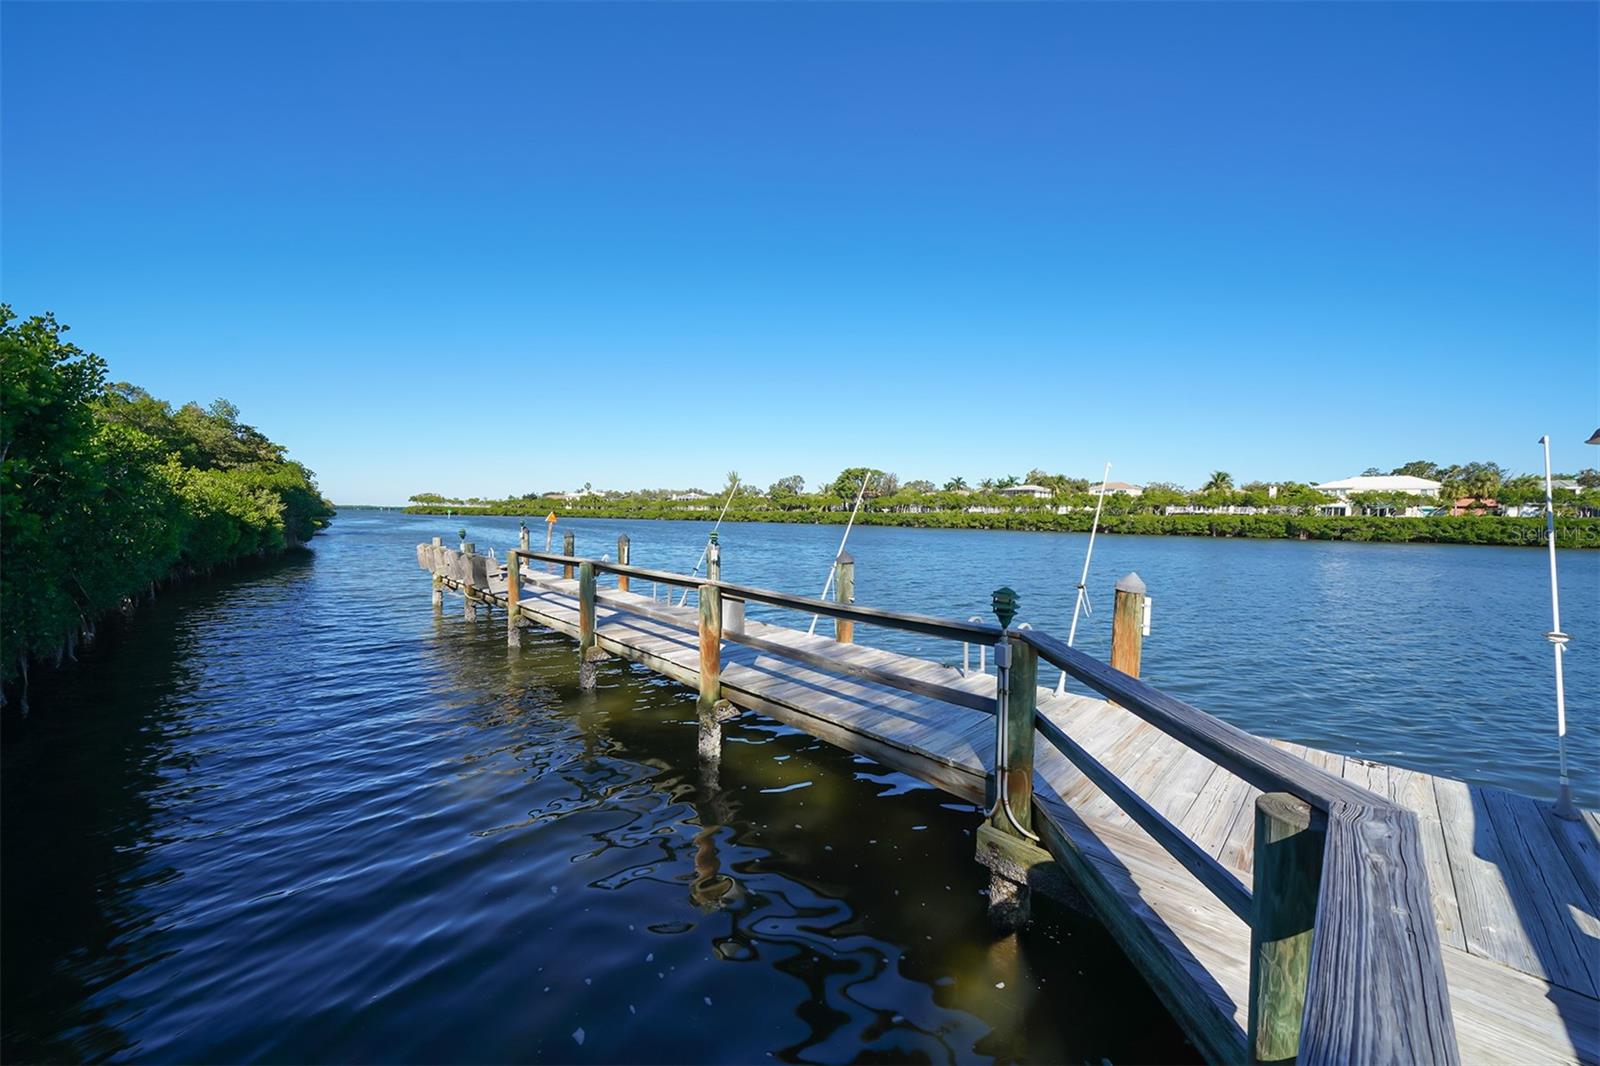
(550,518)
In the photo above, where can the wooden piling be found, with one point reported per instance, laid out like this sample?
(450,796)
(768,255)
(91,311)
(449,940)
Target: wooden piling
(1289,842)
(585,606)
(468,550)
(1011,786)
(514,593)
(710,646)
(438,578)
(1021,704)
(713,560)
(569,548)
(1127,625)
(623,546)
(522,538)
(844,592)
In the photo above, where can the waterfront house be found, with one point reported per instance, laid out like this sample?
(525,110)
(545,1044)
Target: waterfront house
(1479,505)
(1117,488)
(1390,484)
(1032,492)
(692,494)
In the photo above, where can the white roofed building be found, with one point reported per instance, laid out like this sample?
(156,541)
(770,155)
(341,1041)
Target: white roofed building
(1037,492)
(1394,484)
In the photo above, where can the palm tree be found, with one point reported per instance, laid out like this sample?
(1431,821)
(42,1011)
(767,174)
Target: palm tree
(1221,481)
(955,484)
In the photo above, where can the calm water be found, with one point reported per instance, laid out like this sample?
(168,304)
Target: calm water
(295,816)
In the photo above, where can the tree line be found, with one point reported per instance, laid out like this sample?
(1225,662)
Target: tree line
(885,492)
(106,491)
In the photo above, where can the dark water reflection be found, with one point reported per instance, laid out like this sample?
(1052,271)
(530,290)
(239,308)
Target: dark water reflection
(296,817)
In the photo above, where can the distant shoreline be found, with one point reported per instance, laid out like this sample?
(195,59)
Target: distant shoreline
(1464,529)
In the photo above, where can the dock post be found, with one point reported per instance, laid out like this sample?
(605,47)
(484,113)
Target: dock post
(468,550)
(522,537)
(1127,625)
(1288,874)
(623,546)
(711,708)
(844,593)
(514,594)
(1007,843)
(569,549)
(732,609)
(438,579)
(587,651)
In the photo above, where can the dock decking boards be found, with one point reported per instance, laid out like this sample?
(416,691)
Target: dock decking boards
(1515,890)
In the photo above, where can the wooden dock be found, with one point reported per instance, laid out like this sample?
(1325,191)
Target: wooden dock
(1283,901)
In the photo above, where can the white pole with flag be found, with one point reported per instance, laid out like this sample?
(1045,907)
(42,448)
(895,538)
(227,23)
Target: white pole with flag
(1558,640)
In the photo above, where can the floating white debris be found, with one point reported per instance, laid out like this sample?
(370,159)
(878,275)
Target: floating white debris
(632,1009)
(650,957)
(999,984)
(577,1034)
(708,1001)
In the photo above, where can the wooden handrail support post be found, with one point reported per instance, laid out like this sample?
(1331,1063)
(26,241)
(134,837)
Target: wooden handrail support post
(588,652)
(1007,844)
(438,578)
(1127,625)
(568,548)
(624,547)
(514,593)
(522,538)
(711,709)
(844,592)
(1289,839)
(468,550)
(710,646)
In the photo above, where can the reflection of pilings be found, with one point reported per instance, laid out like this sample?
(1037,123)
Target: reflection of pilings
(710,719)
(712,889)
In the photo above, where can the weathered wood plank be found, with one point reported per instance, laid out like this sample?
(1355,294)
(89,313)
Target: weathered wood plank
(1377,990)
(1479,870)
(1414,791)
(1550,902)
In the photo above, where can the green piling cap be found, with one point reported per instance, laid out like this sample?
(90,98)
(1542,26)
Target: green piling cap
(1004,603)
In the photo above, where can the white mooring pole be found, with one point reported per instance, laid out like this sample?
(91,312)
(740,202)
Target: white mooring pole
(1082,602)
(1558,640)
(861,494)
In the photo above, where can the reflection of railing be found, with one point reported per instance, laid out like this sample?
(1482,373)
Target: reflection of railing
(1345,963)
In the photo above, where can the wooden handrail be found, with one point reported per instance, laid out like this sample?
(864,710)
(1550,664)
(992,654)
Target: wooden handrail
(1197,860)
(1243,754)
(662,577)
(1376,988)
(927,625)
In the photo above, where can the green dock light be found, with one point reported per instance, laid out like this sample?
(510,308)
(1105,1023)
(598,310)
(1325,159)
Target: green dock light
(713,536)
(1004,603)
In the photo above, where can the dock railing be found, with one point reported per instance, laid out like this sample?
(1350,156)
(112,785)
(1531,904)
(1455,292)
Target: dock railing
(1345,960)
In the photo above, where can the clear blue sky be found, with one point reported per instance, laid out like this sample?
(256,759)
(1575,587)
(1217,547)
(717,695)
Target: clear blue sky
(485,249)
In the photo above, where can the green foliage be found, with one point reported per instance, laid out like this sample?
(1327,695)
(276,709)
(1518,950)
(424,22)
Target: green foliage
(106,489)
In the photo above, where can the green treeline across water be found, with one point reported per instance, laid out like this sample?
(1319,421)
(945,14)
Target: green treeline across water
(108,490)
(1571,532)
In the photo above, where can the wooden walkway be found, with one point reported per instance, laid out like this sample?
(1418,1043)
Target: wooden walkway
(1515,891)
